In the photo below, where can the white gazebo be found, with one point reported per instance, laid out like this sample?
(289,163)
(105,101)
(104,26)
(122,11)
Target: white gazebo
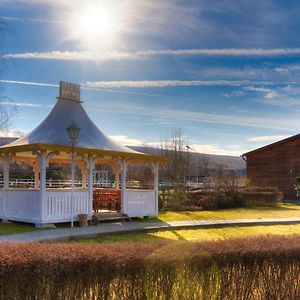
(50,142)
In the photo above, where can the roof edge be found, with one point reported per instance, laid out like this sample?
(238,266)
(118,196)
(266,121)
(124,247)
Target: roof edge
(35,147)
(291,138)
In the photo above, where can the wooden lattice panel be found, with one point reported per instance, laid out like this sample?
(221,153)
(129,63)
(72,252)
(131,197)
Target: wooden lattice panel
(106,199)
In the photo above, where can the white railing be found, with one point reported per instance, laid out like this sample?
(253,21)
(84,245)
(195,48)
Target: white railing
(138,203)
(25,204)
(21,205)
(67,183)
(58,206)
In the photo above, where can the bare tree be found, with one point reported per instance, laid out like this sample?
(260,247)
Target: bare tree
(205,162)
(225,178)
(7,107)
(174,148)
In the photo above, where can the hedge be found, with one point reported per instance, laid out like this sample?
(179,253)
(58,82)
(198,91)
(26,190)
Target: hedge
(233,197)
(256,268)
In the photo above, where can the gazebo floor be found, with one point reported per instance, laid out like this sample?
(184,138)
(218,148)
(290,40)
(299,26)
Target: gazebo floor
(105,216)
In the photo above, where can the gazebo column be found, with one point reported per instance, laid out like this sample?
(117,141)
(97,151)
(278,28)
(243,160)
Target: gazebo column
(124,166)
(43,162)
(42,157)
(5,162)
(36,171)
(91,166)
(84,173)
(117,171)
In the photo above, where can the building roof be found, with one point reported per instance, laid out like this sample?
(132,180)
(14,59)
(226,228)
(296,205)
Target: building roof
(289,139)
(52,134)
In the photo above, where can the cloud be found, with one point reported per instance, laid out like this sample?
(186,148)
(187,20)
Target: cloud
(286,69)
(38,2)
(177,114)
(269,93)
(127,141)
(29,83)
(12,133)
(234,94)
(24,104)
(84,87)
(171,83)
(99,85)
(34,20)
(284,96)
(74,55)
(119,55)
(267,138)
(182,116)
(237,109)
(231,150)
(226,52)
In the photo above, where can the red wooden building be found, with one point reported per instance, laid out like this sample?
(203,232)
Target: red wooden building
(275,165)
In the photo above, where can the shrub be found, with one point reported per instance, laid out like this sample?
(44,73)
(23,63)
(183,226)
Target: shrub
(255,196)
(233,197)
(215,199)
(253,268)
(174,199)
(61,271)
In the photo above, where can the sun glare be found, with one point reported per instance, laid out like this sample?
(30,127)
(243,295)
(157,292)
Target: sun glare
(96,25)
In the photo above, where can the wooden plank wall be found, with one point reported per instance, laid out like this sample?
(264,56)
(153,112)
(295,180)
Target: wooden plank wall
(276,166)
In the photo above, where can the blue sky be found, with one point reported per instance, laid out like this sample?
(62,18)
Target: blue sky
(226,72)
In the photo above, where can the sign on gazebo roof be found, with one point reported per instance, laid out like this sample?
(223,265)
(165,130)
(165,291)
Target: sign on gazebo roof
(69,91)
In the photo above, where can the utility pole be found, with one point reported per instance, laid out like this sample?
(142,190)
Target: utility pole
(191,148)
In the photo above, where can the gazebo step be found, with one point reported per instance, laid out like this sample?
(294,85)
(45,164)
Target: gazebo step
(109,216)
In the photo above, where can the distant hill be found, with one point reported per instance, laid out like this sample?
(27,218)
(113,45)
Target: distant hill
(229,162)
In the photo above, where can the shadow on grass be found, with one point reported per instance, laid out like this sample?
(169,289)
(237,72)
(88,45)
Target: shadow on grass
(137,237)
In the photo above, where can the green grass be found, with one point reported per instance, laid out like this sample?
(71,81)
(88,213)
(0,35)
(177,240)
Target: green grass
(10,228)
(210,234)
(279,211)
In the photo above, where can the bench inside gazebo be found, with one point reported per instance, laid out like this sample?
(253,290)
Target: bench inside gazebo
(54,141)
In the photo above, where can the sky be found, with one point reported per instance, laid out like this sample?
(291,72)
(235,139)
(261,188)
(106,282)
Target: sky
(226,72)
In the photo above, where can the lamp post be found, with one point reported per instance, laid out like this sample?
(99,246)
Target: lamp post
(73,132)
(191,148)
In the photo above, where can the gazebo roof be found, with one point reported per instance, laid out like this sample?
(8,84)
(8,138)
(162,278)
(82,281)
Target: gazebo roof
(52,134)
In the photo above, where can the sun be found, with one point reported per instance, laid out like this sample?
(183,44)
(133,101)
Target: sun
(95,24)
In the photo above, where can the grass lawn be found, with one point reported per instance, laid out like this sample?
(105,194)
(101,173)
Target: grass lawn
(10,228)
(210,234)
(279,211)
